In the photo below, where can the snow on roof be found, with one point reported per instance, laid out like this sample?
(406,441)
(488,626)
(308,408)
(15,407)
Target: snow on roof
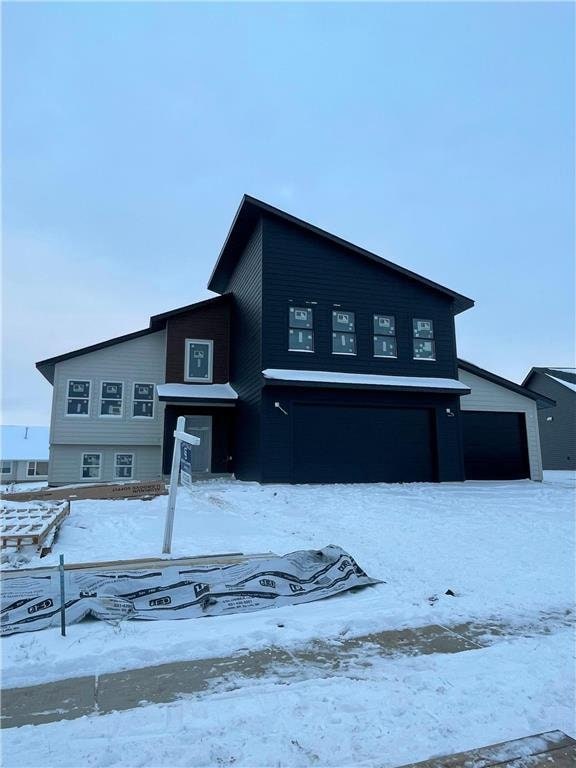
(24,443)
(568,384)
(377,380)
(196,391)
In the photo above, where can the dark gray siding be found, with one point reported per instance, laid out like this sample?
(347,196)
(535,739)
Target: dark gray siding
(246,356)
(557,437)
(300,267)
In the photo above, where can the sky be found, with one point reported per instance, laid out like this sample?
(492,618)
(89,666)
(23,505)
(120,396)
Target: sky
(438,135)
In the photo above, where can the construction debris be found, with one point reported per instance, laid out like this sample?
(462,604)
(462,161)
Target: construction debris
(143,490)
(34,526)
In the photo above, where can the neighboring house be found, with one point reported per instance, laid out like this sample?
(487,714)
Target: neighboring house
(558,426)
(318,362)
(24,453)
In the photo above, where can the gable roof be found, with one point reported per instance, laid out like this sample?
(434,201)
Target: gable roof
(541,400)
(20,443)
(157,323)
(248,214)
(569,374)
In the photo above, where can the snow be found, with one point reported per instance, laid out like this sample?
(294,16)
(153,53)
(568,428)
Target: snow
(564,370)
(334,377)
(387,713)
(19,443)
(505,548)
(197,391)
(568,384)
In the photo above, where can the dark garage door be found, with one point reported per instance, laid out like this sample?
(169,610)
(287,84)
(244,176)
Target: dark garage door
(361,444)
(495,445)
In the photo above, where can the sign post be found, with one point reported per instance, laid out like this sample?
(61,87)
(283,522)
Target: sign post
(181,440)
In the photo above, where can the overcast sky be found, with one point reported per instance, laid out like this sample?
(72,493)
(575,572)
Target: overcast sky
(439,136)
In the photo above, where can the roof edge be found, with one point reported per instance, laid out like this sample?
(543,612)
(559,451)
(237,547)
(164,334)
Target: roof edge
(541,400)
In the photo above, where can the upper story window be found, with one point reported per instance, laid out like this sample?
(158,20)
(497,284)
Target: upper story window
(198,360)
(78,398)
(6,467)
(343,333)
(111,398)
(37,469)
(423,342)
(301,329)
(385,336)
(143,401)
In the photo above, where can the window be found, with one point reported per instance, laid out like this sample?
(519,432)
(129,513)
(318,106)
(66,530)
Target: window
(343,333)
(300,332)
(78,398)
(423,341)
(111,398)
(385,336)
(6,467)
(123,466)
(37,469)
(143,401)
(91,463)
(198,360)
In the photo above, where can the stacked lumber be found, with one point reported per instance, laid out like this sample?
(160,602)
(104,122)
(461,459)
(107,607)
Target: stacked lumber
(34,526)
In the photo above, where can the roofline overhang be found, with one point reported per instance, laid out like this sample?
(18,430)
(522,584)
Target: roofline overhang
(374,387)
(541,400)
(251,210)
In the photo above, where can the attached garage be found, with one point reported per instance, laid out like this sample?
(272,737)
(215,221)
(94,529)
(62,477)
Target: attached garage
(362,444)
(495,445)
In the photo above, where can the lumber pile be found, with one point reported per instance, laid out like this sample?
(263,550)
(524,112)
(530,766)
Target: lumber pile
(142,490)
(33,526)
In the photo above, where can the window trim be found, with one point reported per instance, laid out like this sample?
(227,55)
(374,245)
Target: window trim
(126,453)
(35,462)
(139,400)
(66,398)
(101,399)
(87,453)
(384,336)
(210,343)
(10,468)
(300,328)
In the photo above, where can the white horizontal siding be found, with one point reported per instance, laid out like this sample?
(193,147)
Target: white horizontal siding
(488,396)
(138,360)
(66,462)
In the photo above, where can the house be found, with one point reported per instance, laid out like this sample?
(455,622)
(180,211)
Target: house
(558,426)
(24,453)
(317,362)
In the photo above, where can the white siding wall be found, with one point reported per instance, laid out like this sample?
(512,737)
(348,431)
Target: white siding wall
(66,462)
(487,396)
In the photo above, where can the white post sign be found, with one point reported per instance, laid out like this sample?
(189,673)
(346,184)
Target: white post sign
(181,460)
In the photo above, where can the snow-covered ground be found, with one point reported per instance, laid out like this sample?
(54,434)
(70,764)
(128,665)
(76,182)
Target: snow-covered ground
(505,549)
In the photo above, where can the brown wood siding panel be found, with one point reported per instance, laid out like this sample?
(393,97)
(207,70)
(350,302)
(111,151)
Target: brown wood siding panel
(208,322)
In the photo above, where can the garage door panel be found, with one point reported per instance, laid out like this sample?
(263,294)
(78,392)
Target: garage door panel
(361,444)
(495,445)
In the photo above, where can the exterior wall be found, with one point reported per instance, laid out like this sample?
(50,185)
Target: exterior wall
(66,461)
(137,360)
(222,434)
(211,321)
(246,356)
(557,437)
(19,473)
(277,429)
(300,268)
(488,396)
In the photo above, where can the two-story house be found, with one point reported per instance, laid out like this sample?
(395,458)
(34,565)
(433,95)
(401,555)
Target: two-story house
(318,362)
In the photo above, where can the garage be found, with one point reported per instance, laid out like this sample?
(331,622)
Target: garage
(495,445)
(362,444)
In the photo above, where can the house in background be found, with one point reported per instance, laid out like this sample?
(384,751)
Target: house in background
(557,426)
(24,453)
(319,362)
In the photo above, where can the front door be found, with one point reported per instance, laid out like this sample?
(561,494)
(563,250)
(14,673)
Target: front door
(201,426)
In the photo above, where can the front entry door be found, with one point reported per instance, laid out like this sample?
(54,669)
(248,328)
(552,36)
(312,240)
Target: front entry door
(201,426)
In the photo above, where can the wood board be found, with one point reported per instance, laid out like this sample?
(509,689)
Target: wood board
(31,526)
(100,491)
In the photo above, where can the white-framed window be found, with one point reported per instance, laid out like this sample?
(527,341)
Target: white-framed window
(37,469)
(423,344)
(198,360)
(111,398)
(91,466)
(143,401)
(6,467)
(300,329)
(123,466)
(385,336)
(78,397)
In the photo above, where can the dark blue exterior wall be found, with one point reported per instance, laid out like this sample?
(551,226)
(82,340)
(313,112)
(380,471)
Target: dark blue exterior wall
(557,435)
(301,267)
(246,356)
